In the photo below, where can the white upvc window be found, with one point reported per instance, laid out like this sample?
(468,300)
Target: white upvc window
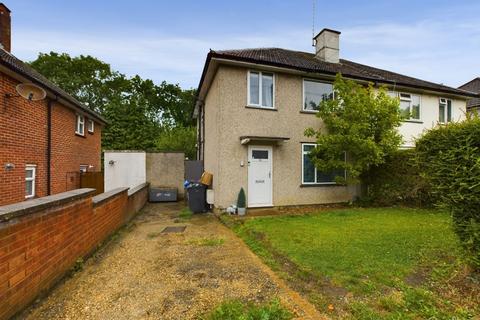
(444,110)
(261,89)
(410,105)
(91,126)
(310,174)
(30,174)
(314,93)
(80,125)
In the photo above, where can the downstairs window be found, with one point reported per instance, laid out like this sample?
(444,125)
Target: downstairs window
(310,174)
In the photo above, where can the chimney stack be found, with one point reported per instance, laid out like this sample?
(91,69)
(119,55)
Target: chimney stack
(5,28)
(327,45)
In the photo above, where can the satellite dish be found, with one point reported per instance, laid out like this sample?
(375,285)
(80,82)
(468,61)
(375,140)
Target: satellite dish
(30,91)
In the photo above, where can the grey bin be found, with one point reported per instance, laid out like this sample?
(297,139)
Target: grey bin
(162,194)
(197,198)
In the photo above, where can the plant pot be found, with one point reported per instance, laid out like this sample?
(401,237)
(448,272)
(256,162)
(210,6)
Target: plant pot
(242,211)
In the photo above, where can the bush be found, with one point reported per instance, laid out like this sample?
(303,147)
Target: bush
(449,157)
(241,200)
(397,182)
(236,310)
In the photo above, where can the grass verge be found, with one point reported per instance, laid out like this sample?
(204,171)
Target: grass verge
(388,263)
(236,310)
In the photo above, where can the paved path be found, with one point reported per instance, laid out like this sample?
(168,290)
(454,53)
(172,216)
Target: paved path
(143,274)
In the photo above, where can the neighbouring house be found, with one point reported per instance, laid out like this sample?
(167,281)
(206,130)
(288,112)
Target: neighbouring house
(43,144)
(473,104)
(254,105)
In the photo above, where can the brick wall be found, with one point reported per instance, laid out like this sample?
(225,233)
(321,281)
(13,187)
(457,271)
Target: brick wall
(69,150)
(42,239)
(23,140)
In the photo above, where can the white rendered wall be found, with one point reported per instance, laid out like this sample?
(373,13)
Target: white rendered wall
(429,117)
(124,169)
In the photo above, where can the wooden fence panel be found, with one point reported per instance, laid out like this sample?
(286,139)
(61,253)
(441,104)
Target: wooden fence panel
(92,180)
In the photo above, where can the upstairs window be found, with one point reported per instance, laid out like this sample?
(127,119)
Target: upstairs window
(80,125)
(445,110)
(310,174)
(314,92)
(30,173)
(410,106)
(91,126)
(261,89)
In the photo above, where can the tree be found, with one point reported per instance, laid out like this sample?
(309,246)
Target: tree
(178,139)
(137,110)
(360,122)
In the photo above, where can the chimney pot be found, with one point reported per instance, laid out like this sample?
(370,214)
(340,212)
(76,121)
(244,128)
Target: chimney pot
(327,45)
(5,28)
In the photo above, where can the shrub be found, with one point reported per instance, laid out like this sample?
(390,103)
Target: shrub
(449,157)
(241,200)
(236,310)
(397,182)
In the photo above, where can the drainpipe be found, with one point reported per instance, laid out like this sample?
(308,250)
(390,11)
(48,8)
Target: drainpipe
(49,144)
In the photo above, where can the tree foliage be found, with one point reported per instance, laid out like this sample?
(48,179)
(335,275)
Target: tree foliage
(361,122)
(178,139)
(449,157)
(137,110)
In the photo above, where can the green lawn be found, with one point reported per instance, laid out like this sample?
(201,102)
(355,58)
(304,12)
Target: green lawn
(392,263)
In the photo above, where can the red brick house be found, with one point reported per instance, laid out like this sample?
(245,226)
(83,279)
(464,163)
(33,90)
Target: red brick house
(44,144)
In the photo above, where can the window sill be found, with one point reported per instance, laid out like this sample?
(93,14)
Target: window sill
(414,121)
(90,132)
(261,108)
(80,135)
(309,112)
(313,185)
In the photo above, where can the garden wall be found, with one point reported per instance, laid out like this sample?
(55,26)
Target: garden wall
(41,239)
(166,169)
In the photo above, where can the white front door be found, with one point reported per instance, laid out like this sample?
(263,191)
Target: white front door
(259,176)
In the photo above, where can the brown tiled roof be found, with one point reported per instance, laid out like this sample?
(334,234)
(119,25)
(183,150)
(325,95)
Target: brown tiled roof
(304,61)
(18,66)
(472,86)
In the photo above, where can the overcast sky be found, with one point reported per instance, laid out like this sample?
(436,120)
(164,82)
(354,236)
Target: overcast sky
(168,40)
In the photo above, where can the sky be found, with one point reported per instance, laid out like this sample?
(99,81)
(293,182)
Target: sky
(168,40)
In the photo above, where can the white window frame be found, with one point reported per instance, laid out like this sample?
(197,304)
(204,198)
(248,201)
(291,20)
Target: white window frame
(91,123)
(33,168)
(303,93)
(80,120)
(445,115)
(315,175)
(260,75)
(409,99)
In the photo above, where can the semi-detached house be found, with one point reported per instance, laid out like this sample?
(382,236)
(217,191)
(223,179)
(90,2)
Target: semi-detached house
(43,144)
(254,105)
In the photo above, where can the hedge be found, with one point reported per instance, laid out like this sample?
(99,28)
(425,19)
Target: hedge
(449,158)
(397,182)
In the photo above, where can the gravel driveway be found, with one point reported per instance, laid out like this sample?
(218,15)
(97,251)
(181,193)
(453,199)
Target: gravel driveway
(146,274)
